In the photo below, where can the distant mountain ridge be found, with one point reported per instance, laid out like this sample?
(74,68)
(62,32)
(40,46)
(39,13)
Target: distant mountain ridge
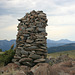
(52,43)
(5,44)
(66,47)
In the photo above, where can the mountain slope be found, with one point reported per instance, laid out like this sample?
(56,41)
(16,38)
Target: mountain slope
(56,54)
(66,47)
(5,44)
(51,43)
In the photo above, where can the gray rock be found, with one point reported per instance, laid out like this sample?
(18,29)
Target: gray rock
(24,56)
(42,50)
(40,60)
(17,63)
(29,41)
(25,35)
(41,29)
(25,60)
(30,29)
(14,60)
(32,47)
(17,57)
(23,52)
(27,45)
(27,63)
(34,56)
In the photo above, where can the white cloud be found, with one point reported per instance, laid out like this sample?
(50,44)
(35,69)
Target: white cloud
(8,33)
(7,20)
(18,3)
(8,27)
(59,32)
(61,16)
(61,20)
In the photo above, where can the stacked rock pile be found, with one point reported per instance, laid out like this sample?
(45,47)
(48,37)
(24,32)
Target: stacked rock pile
(31,39)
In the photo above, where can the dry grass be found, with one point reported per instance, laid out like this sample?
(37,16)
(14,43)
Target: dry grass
(1,52)
(56,54)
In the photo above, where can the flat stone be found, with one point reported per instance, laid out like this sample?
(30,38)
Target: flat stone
(41,15)
(17,57)
(17,63)
(34,56)
(29,29)
(21,19)
(24,20)
(43,33)
(22,37)
(32,17)
(21,45)
(41,29)
(43,47)
(41,50)
(41,53)
(40,42)
(32,47)
(24,56)
(14,60)
(18,51)
(22,28)
(26,35)
(23,52)
(40,39)
(39,60)
(25,60)
(29,41)
(27,63)
(27,45)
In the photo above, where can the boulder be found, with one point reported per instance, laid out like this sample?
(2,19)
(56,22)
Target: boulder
(42,69)
(20,73)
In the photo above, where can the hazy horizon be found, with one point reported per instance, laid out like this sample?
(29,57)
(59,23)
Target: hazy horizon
(60,14)
(47,39)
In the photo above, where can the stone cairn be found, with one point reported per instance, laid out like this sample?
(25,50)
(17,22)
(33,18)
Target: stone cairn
(31,39)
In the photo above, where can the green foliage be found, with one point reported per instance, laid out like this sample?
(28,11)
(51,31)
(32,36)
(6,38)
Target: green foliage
(0,50)
(6,57)
(51,63)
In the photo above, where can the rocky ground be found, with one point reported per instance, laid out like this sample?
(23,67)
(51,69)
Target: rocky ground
(64,66)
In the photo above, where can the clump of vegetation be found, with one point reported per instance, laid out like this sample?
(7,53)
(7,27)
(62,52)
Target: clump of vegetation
(51,63)
(6,57)
(0,50)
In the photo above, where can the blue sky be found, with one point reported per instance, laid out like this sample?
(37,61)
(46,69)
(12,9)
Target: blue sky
(60,14)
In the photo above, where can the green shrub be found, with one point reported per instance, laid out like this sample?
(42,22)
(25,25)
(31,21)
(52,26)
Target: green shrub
(6,57)
(0,50)
(51,63)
